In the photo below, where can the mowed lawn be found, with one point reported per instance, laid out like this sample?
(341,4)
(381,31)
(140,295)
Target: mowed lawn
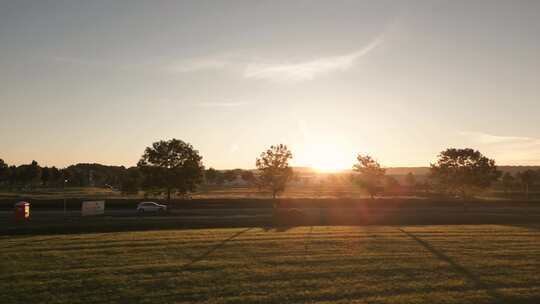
(379,264)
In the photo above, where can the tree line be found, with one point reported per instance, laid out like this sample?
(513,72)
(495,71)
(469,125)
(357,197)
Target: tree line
(175,167)
(128,180)
(29,176)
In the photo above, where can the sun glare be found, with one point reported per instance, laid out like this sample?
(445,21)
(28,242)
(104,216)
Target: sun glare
(327,158)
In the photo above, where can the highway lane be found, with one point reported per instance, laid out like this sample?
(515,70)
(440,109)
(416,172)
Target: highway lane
(234,212)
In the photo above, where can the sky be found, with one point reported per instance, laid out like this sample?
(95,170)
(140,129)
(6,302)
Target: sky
(98,81)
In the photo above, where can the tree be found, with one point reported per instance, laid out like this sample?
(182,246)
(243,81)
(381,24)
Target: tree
(527,178)
(13,176)
(508,182)
(66,177)
(410,181)
(131,181)
(28,175)
(248,177)
(391,185)
(274,170)
(368,174)
(211,175)
(45,176)
(4,172)
(55,176)
(230,175)
(173,165)
(464,171)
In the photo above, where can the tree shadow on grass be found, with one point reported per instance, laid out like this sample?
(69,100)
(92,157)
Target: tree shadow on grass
(475,279)
(214,248)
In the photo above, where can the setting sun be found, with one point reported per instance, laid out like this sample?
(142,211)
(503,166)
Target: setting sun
(326,158)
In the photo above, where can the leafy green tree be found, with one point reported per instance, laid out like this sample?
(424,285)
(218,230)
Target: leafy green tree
(527,179)
(368,174)
(274,170)
(464,171)
(173,165)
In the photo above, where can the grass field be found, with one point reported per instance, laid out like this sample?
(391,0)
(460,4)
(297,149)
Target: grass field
(370,264)
(204,192)
(315,191)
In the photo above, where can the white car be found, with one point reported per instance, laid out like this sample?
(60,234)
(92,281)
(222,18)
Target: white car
(151,207)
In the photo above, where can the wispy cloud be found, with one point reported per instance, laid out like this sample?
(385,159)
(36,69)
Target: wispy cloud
(506,149)
(308,70)
(485,138)
(280,72)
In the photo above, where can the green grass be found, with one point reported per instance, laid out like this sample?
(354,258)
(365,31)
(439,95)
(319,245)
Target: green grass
(371,264)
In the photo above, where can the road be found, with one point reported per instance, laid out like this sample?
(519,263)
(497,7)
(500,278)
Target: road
(258,212)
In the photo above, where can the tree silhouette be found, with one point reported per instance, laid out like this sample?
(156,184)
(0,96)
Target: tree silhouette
(274,169)
(131,180)
(464,171)
(508,182)
(410,180)
(368,174)
(230,175)
(248,177)
(527,178)
(45,176)
(213,176)
(391,184)
(28,175)
(4,172)
(173,165)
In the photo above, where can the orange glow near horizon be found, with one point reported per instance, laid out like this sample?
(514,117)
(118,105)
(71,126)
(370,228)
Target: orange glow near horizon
(325,158)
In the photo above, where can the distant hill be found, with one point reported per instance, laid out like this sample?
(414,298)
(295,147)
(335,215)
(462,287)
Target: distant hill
(418,171)
(425,170)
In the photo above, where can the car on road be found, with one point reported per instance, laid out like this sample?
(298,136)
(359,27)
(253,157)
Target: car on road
(151,207)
